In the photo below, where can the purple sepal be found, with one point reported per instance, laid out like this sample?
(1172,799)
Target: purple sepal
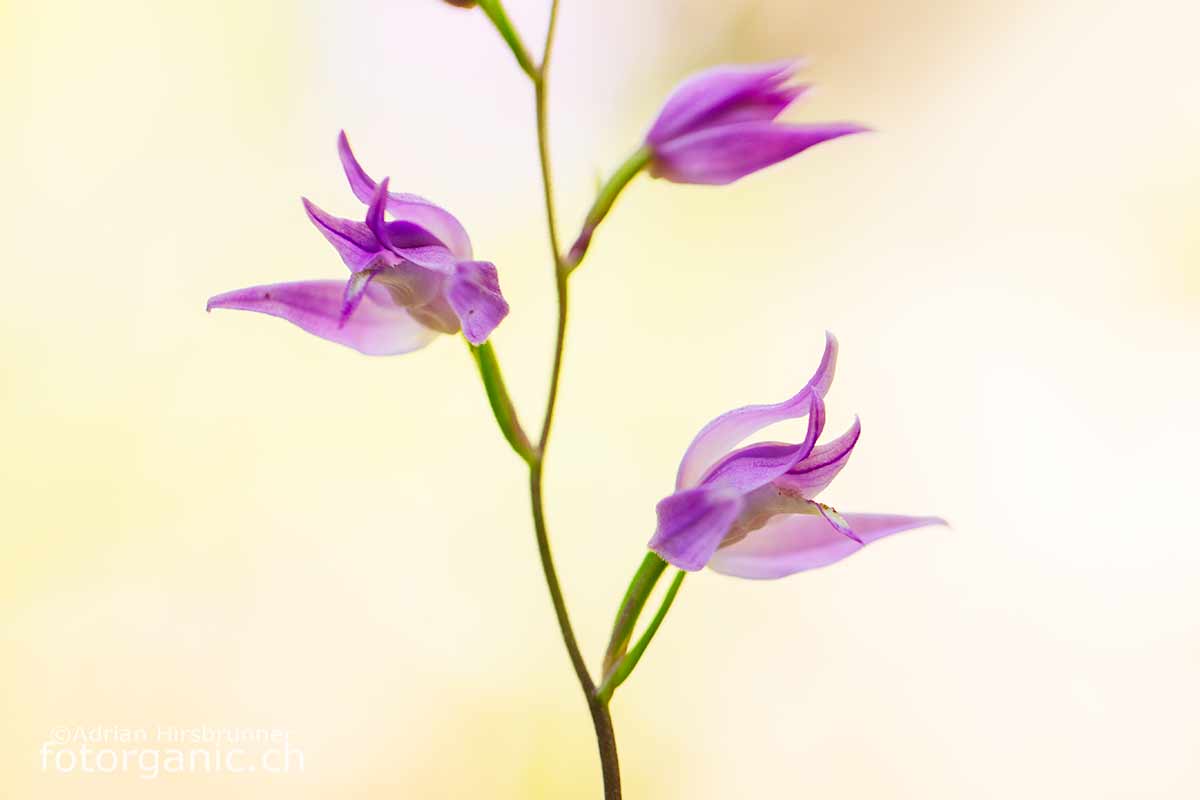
(474,294)
(750,467)
(811,476)
(721,155)
(408,207)
(692,523)
(377,328)
(726,431)
(712,95)
(353,240)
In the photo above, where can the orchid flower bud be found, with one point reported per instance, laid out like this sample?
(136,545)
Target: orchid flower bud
(720,125)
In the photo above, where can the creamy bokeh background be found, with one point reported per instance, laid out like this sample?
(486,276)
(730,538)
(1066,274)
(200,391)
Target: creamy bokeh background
(215,519)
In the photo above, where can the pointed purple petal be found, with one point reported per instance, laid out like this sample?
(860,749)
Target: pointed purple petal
(723,154)
(418,246)
(408,207)
(810,477)
(692,523)
(709,93)
(723,433)
(799,542)
(761,106)
(435,219)
(433,257)
(376,220)
(361,183)
(404,234)
(474,294)
(759,464)
(378,326)
(353,240)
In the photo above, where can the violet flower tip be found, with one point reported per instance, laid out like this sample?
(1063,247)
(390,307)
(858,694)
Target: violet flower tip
(674,562)
(216,301)
(787,67)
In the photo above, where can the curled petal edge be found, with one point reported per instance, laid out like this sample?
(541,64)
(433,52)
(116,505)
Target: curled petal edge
(720,435)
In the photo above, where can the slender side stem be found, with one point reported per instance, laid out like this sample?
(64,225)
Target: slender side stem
(601,721)
(560,275)
(495,12)
(604,202)
(625,668)
(644,581)
(502,405)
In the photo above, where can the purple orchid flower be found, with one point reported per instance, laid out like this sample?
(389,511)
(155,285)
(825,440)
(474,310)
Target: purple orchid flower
(720,125)
(750,512)
(411,277)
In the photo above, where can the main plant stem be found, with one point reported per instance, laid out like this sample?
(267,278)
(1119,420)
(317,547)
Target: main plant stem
(605,739)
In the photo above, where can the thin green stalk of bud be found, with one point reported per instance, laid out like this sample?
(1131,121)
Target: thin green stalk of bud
(501,403)
(644,581)
(496,13)
(625,668)
(605,198)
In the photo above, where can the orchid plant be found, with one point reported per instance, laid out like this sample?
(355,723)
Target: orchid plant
(748,511)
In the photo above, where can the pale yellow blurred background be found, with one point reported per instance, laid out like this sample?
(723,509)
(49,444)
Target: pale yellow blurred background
(218,520)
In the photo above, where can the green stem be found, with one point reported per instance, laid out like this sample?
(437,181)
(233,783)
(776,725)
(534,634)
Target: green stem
(498,399)
(604,202)
(495,12)
(601,720)
(644,581)
(625,668)
(560,274)
(606,740)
